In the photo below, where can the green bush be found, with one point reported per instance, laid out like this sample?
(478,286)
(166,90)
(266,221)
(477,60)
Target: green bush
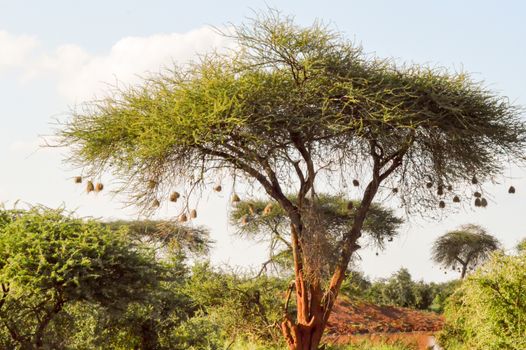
(244,308)
(489,310)
(399,290)
(50,261)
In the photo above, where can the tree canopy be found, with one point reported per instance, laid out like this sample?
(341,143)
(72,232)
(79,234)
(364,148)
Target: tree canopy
(292,92)
(294,107)
(50,260)
(466,247)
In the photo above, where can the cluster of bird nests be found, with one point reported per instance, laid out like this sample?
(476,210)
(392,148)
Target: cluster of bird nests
(480,201)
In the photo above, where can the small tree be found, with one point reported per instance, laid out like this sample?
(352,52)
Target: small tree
(49,261)
(150,323)
(294,107)
(466,247)
(267,221)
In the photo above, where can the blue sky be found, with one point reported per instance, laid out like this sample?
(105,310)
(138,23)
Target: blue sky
(54,54)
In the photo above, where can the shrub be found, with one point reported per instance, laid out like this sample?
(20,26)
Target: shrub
(489,310)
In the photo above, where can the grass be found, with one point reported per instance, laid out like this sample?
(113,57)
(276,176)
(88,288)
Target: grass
(365,345)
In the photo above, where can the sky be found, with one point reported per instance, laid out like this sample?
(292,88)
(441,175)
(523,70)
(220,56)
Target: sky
(54,55)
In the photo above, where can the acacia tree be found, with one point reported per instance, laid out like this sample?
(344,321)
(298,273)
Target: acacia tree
(468,246)
(292,109)
(265,220)
(167,236)
(50,261)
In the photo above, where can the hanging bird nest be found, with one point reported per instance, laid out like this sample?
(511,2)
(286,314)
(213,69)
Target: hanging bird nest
(449,188)
(99,187)
(78,179)
(355,183)
(441,204)
(90,187)
(182,218)
(390,239)
(395,190)
(474,180)
(152,184)
(511,189)
(218,188)
(483,202)
(268,209)
(193,214)
(456,199)
(478,202)
(477,194)
(156,203)
(350,205)
(174,197)
(244,219)
(440,190)
(235,198)
(429,184)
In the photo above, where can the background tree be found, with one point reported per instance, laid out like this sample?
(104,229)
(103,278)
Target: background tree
(49,261)
(167,237)
(292,109)
(467,247)
(521,246)
(266,221)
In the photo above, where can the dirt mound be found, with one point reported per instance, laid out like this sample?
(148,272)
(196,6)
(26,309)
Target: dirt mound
(356,317)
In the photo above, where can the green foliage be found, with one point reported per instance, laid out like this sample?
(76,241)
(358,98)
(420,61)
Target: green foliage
(489,310)
(521,246)
(442,292)
(288,89)
(381,223)
(49,260)
(333,216)
(355,285)
(166,234)
(399,290)
(292,105)
(244,308)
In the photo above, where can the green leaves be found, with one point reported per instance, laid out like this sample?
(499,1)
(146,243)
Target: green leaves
(239,110)
(50,260)
(489,310)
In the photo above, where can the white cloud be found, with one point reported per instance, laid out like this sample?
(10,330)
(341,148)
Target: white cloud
(81,76)
(15,49)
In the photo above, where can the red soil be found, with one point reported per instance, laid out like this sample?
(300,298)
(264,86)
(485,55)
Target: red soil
(357,317)
(353,321)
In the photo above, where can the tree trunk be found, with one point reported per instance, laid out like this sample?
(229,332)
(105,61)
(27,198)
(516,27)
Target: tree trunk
(464,270)
(148,335)
(313,304)
(38,338)
(306,332)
